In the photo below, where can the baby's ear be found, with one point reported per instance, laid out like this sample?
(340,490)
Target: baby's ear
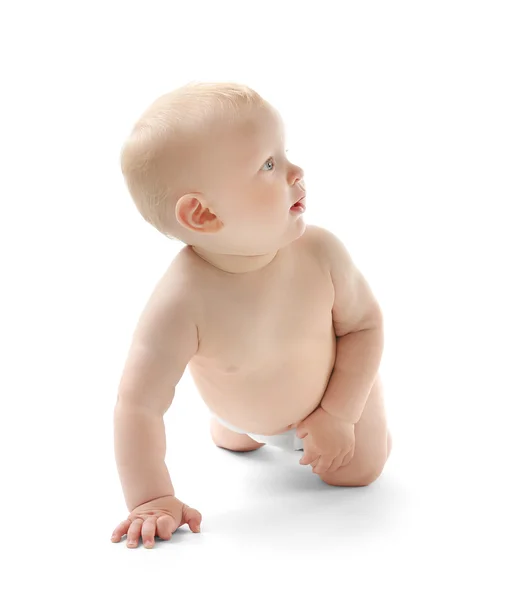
(191,212)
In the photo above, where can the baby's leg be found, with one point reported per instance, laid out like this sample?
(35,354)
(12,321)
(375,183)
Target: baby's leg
(230,440)
(372,445)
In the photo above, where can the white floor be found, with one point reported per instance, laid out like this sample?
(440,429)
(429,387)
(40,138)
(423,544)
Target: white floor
(441,522)
(428,528)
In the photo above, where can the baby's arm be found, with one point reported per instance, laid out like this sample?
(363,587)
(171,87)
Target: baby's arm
(358,323)
(165,340)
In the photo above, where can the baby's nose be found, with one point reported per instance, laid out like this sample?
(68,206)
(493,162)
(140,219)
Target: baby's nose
(297,174)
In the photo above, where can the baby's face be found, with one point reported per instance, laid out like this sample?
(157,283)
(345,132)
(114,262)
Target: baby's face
(254,185)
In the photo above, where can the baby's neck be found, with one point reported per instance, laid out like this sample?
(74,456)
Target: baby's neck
(232,263)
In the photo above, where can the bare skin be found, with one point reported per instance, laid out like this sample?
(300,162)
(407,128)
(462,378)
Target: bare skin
(247,306)
(267,349)
(373,444)
(266,341)
(161,517)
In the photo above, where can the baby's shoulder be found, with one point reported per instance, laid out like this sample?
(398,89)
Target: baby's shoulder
(320,235)
(315,234)
(323,243)
(175,289)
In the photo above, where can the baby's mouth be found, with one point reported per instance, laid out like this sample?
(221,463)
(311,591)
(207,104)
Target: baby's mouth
(298,207)
(300,204)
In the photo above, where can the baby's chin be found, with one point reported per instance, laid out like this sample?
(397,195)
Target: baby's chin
(293,231)
(252,242)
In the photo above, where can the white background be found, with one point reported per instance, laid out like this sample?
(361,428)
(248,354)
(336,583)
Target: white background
(405,117)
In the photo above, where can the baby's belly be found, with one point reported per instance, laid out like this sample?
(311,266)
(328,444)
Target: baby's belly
(274,397)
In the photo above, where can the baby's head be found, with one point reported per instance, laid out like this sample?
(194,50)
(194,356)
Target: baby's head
(206,164)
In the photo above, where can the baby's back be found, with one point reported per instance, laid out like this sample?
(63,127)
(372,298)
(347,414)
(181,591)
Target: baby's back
(266,339)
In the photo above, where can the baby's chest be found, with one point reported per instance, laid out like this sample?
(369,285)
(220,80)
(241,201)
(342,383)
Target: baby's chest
(245,328)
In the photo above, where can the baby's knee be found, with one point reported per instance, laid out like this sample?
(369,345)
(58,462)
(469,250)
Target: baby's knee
(353,476)
(230,440)
(356,481)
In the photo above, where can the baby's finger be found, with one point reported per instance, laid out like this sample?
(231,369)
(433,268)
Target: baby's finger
(336,463)
(323,465)
(134,531)
(148,532)
(194,519)
(165,527)
(309,456)
(346,460)
(120,530)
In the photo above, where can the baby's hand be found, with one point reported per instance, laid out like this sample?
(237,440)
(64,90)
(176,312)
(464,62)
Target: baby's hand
(161,517)
(328,441)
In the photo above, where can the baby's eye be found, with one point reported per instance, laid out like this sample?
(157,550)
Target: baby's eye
(270,160)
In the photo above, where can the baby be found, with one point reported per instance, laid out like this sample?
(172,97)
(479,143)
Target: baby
(281,331)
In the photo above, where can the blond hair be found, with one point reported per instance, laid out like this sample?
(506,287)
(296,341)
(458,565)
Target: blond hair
(152,156)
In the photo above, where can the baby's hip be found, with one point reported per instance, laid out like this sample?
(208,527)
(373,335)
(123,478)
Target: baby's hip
(287,440)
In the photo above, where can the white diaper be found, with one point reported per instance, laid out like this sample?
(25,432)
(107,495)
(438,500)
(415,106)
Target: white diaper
(288,440)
